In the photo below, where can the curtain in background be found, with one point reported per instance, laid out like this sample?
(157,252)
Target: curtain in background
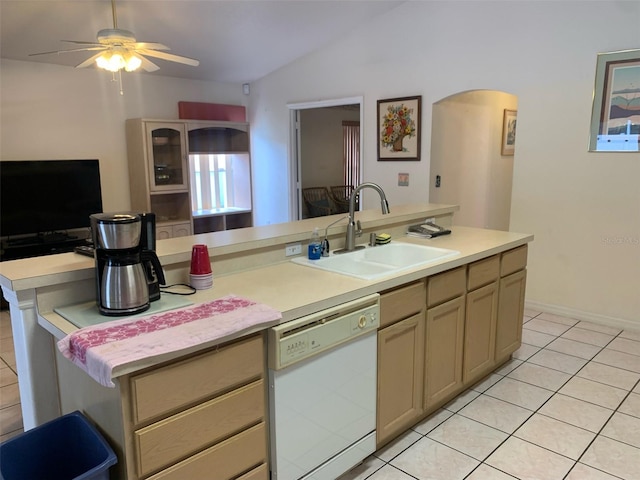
(351,153)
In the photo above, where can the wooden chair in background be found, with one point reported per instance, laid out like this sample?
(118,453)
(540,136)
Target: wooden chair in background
(340,194)
(317,201)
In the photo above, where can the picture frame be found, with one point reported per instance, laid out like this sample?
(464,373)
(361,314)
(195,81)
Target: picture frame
(399,128)
(509,121)
(615,116)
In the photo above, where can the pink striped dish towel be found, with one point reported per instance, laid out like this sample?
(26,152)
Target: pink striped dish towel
(100,348)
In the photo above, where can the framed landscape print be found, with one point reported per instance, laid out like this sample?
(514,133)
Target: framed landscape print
(615,118)
(399,125)
(509,132)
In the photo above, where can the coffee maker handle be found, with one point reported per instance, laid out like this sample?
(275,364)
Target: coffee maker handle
(150,256)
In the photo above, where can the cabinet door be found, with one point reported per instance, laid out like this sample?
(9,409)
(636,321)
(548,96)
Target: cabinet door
(400,376)
(167,152)
(182,229)
(480,332)
(510,312)
(445,329)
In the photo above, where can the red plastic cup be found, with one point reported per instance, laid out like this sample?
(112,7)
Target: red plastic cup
(200,264)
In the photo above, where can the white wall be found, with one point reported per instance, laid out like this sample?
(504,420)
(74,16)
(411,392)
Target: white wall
(584,208)
(54,112)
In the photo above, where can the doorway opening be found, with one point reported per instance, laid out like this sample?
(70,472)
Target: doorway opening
(467,165)
(317,149)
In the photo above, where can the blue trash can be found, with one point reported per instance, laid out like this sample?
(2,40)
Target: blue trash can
(67,448)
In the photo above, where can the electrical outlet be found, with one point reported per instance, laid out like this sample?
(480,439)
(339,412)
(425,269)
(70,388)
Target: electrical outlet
(291,249)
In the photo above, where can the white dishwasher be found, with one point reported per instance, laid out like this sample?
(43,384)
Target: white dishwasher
(322,395)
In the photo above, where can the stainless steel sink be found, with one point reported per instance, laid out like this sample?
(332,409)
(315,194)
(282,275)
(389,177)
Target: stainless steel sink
(374,262)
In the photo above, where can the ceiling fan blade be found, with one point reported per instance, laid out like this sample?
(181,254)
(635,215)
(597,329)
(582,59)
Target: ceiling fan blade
(89,61)
(148,45)
(102,47)
(169,57)
(148,65)
(81,42)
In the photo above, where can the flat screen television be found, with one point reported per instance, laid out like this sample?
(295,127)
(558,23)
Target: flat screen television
(40,197)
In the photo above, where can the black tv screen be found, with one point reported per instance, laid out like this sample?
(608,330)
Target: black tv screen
(44,196)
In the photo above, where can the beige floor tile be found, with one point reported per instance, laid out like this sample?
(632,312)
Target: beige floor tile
(362,471)
(541,376)
(9,395)
(576,412)
(10,419)
(527,461)
(637,388)
(485,472)
(588,336)
(619,359)
(545,326)
(388,472)
(7,376)
(6,346)
(554,435)
(401,443)
(558,361)
(461,400)
(625,345)
(598,328)
(613,457)
(508,366)
(594,392)
(529,312)
(432,421)
(631,405)
(487,382)
(428,459)
(571,347)
(519,393)
(496,413)
(525,351)
(558,319)
(584,472)
(468,436)
(616,377)
(537,339)
(631,334)
(623,428)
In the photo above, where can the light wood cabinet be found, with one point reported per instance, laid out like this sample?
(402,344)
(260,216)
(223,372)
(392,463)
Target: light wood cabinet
(400,360)
(201,415)
(480,318)
(159,174)
(445,334)
(513,279)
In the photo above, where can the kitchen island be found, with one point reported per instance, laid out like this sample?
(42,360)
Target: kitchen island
(248,262)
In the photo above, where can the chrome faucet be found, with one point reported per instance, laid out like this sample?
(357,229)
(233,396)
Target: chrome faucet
(352,232)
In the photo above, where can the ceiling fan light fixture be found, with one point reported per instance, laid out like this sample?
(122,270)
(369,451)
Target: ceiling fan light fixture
(116,60)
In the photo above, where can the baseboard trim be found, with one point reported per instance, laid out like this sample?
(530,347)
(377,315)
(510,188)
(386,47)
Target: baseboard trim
(582,315)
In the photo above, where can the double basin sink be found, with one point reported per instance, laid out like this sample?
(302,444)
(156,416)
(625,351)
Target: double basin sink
(374,262)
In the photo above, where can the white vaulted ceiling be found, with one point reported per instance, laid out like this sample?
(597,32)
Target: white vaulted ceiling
(236,41)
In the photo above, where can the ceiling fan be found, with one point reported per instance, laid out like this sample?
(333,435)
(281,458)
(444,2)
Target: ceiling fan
(118,49)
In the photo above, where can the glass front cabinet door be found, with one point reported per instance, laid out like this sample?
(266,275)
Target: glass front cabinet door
(167,148)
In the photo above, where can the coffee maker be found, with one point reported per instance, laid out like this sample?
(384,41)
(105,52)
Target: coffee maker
(122,285)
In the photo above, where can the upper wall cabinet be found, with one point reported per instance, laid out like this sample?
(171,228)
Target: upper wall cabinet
(218,137)
(167,156)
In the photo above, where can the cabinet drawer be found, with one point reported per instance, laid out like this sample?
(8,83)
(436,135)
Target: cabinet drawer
(258,473)
(445,286)
(402,302)
(513,260)
(164,443)
(226,460)
(180,385)
(483,272)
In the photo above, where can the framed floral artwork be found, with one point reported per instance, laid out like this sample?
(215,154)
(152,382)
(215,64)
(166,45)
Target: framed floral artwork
(615,117)
(509,132)
(399,125)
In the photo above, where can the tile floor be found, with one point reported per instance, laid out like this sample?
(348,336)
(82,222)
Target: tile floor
(567,406)
(10,410)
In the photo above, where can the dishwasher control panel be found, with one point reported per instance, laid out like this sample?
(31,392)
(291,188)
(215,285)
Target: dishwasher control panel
(304,337)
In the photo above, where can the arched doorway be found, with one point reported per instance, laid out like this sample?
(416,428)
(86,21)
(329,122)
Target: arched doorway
(467,166)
